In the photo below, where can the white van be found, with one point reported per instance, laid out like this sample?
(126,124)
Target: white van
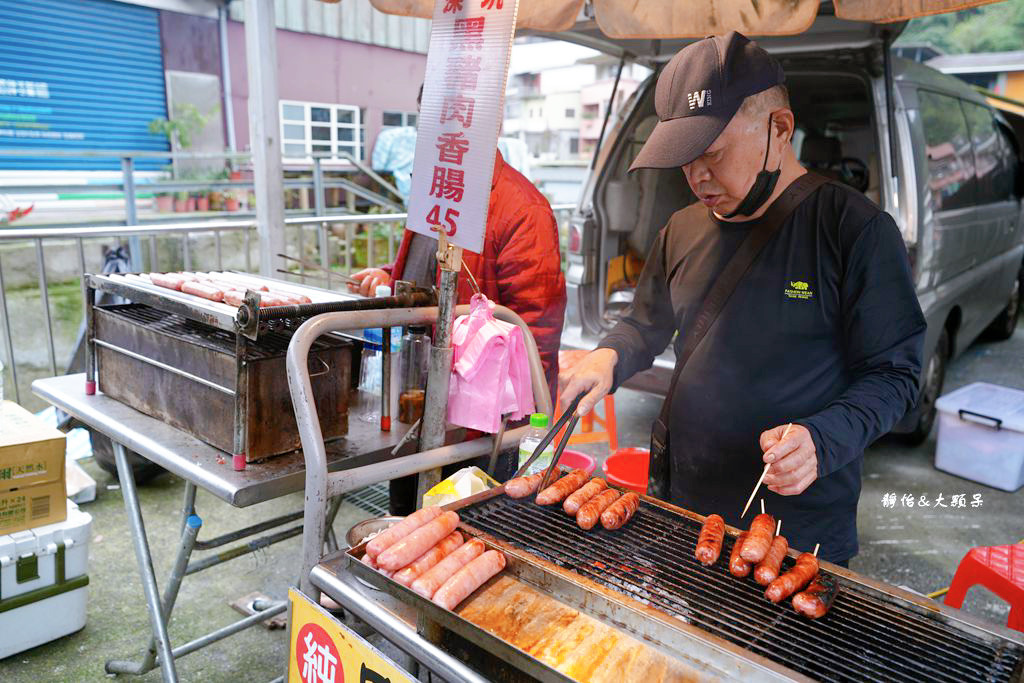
(954,189)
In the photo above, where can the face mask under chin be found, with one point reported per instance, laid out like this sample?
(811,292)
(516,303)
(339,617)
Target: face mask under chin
(764,185)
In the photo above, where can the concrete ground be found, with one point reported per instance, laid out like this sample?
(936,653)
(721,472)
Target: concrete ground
(916,547)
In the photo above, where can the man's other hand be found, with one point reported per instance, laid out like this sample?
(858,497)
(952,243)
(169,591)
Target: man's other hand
(592,374)
(368,279)
(794,461)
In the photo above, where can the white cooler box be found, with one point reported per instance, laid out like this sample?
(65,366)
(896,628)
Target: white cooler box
(981,435)
(43,582)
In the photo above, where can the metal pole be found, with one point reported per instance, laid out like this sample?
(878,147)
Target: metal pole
(248,250)
(188,508)
(45,295)
(435,411)
(220,256)
(154,265)
(8,340)
(265,140)
(325,256)
(145,560)
(266,610)
(131,216)
(225,70)
(186,252)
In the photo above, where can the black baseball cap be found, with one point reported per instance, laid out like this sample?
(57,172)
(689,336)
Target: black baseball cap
(699,92)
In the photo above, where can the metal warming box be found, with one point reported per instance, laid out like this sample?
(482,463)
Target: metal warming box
(635,605)
(187,374)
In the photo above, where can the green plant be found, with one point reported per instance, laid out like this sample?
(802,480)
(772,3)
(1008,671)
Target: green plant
(183,125)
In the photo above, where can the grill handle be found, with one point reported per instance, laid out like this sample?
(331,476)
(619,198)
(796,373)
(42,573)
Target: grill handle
(997,423)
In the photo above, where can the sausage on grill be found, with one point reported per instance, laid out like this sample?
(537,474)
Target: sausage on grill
(562,488)
(432,579)
(168,280)
(817,598)
(709,543)
(468,579)
(405,550)
(590,513)
(767,570)
(792,581)
(521,487)
(738,567)
(759,540)
(205,290)
(379,543)
(575,501)
(620,512)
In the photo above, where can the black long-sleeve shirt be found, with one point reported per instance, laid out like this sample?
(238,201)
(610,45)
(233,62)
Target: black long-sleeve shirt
(825,330)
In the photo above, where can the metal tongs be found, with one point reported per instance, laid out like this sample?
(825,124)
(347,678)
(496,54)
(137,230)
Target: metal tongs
(571,417)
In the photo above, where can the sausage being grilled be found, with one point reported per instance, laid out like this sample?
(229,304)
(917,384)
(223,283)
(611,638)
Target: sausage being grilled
(759,539)
(468,579)
(619,512)
(521,487)
(590,513)
(203,289)
(405,550)
(575,501)
(379,543)
(709,543)
(815,601)
(792,581)
(562,488)
(432,579)
(767,570)
(738,567)
(412,571)
(168,280)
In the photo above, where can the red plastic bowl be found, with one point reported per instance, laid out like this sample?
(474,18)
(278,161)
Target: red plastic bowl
(577,460)
(627,467)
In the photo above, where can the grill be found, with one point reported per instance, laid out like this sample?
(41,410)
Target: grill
(868,635)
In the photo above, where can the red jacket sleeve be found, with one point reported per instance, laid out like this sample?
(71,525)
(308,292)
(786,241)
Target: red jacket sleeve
(530,279)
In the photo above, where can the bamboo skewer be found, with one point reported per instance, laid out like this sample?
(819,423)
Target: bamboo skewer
(816,546)
(753,493)
(778,527)
(762,506)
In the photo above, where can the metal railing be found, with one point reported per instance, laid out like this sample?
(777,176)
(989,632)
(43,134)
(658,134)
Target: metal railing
(36,242)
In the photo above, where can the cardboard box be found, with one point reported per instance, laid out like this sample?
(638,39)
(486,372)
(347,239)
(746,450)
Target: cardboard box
(31,471)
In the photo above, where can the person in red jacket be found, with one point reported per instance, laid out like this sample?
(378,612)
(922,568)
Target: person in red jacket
(520,266)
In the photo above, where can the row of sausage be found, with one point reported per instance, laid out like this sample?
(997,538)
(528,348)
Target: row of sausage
(222,288)
(586,500)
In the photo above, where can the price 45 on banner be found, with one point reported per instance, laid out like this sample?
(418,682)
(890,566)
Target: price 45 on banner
(460,118)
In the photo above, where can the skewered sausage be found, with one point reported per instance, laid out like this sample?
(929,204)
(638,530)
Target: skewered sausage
(432,579)
(817,598)
(767,569)
(203,289)
(709,543)
(620,512)
(557,492)
(379,543)
(575,501)
(409,573)
(468,579)
(405,550)
(588,515)
(738,567)
(521,487)
(759,540)
(796,578)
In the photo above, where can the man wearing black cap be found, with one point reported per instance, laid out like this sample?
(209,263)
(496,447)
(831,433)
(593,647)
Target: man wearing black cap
(822,329)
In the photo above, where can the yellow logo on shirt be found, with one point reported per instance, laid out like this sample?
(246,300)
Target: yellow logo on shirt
(798,289)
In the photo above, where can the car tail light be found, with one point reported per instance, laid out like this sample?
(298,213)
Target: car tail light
(575,238)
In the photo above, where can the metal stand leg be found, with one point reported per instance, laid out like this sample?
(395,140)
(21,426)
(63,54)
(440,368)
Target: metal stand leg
(145,560)
(188,508)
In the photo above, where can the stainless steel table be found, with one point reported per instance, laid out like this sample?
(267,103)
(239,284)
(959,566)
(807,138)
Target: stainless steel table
(203,466)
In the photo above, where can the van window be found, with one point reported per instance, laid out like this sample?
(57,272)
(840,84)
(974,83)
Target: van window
(950,158)
(988,154)
(1007,179)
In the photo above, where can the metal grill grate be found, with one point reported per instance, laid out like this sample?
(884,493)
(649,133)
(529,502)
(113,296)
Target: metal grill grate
(651,560)
(373,499)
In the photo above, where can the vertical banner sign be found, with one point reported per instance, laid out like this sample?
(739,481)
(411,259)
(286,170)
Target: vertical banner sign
(322,650)
(460,118)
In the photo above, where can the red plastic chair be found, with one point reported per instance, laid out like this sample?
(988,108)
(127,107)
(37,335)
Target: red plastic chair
(1000,568)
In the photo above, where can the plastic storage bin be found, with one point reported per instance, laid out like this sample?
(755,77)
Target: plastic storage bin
(981,435)
(43,582)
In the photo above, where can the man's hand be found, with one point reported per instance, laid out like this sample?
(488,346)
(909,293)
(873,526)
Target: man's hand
(368,279)
(592,374)
(794,462)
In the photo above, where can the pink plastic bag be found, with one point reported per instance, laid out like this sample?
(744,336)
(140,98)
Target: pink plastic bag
(490,371)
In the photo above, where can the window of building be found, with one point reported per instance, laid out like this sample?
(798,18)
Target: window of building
(398,118)
(309,128)
(574,146)
(570,113)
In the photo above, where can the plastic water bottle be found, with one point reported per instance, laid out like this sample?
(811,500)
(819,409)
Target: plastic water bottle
(528,444)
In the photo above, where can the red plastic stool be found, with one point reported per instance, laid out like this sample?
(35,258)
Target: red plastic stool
(1000,568)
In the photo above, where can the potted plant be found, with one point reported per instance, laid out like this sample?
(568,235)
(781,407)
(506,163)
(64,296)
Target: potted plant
(230,201)
(180,202)
(164,202)
(203,201)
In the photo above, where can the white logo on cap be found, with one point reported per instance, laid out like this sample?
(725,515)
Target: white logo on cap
(699,99)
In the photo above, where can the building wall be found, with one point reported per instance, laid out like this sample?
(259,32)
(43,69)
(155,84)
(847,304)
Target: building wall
(1015,85)
(314,68)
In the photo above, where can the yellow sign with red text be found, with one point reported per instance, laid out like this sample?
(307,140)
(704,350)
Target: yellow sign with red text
(322,650)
